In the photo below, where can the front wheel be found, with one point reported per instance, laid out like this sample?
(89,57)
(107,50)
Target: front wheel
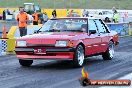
(25,63)
(78,56)
(109,53)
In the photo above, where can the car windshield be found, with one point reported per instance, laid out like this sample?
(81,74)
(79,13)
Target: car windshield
(65,25)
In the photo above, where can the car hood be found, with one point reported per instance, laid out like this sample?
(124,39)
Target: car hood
(49,37)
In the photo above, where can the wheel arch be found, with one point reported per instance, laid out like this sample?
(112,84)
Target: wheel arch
(82,46)
(112,40)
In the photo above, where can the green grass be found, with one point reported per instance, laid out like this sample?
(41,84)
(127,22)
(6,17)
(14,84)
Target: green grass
(89,4)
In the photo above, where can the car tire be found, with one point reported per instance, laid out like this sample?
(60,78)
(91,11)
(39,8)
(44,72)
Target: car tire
(78,59)
(25,63)
(109,53)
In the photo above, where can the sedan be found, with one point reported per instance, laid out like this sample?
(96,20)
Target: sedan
(68,38)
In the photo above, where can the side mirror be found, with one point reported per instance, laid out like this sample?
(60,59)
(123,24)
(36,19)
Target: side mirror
(35,31)
(92,31)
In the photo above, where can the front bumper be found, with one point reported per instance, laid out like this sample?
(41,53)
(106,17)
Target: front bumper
(47,50)
(51,53)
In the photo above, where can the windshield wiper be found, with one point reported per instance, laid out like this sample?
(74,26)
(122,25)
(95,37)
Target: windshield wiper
(37,31)
(54,30)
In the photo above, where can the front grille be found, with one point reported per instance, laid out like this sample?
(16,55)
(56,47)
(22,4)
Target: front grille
(39,45)
(47,54)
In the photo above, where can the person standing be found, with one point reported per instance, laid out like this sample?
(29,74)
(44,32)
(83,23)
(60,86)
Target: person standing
(35,18)
(85,13)
(113,9)
(54,14)
(67,12)
(4,15)
(71,13)
(22,19)
(115,17)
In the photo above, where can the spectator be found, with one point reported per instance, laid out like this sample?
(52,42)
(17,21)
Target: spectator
(22,19)
(115,16)
(1,16)
(13,15)
(45,16)
(67,12)
(85,13)
(4,15)
(107,20)
(113,9)
(71,13)
(54,14)
(41,19)
(35,16)
(9,12)
(100,13)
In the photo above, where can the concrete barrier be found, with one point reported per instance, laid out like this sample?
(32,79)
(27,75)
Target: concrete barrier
(11,32)
(14,33)
(11,45)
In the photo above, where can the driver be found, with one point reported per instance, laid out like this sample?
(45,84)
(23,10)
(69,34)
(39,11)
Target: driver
(84,28)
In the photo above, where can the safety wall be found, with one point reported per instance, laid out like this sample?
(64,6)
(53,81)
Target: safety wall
(60,12)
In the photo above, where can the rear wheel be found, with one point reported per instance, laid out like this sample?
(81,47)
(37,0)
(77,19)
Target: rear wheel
(25,63)
(109,54)
(79,56)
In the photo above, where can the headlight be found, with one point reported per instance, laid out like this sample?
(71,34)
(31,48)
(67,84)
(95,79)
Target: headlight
(21,43)
(61,43)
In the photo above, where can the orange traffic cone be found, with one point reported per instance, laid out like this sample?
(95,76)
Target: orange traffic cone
(4,32)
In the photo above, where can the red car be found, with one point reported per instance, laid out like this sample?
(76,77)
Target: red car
(72,38)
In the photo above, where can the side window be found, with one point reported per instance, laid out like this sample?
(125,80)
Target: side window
(101,27)
(92,26)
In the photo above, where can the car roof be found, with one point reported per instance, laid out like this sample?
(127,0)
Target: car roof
(76,18)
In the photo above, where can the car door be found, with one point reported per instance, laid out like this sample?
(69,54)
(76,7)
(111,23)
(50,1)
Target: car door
(104,35)
(93,40)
